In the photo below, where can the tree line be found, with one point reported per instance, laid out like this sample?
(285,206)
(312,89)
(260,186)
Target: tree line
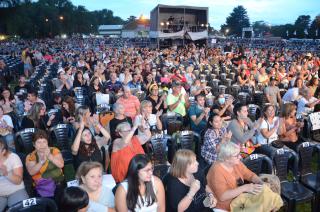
(303,26)
(48,18)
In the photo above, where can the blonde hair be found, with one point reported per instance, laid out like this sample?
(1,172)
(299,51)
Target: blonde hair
(85,167)
(145,103)
(227,150)
(181,160)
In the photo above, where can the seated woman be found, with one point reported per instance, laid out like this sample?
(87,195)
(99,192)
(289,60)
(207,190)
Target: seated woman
(74,199)
(85,147)
(119,117)
(126,147)
(186,187)
(6,129)
(223,107)
(79,81)
(289,127)
(68,110)
(213,137)
(45,165)
(268,131)
(242,78)
(11,178)
(306,103)
(101,198)
(241,126)
(152,120)
(37,117)
(227,175)
(83,114)
(7,101)
(293,93)
(158,103)
(141,191)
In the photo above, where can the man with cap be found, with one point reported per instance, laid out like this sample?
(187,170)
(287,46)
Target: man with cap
(272,92)
(176,101)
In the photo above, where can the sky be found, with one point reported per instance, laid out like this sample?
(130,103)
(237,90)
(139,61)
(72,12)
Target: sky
(273,12)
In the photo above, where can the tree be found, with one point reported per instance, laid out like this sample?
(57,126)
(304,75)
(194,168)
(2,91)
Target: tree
(131,19)
(237,20)
(281,30)
(314,30)
(260,28)
(301,25)
(48,18)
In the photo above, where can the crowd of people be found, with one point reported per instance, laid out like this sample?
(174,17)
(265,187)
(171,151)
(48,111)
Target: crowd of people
(126,94)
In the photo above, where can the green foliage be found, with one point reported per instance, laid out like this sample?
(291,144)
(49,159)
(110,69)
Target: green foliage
(237,20)
(261,28)
(48,18)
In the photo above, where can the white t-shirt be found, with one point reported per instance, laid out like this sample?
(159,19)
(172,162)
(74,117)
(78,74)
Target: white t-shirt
(6,186)
(152,120)
(265,125)
(302,106)
(7,119)
(291,95)
(143,207)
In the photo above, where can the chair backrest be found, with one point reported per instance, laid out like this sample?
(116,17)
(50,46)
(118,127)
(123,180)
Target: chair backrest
(159,144)
(305,151)
(169,117)
(187,139)
(256,162)
(61,134)
(280,161)
(161,170)
(34,205)
(24,140)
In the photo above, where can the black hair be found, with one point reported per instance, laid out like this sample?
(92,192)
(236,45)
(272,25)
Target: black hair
(4,145)
(33,92)
(73,199)
(237,108)
(199,95)
(212,115)
(137,163)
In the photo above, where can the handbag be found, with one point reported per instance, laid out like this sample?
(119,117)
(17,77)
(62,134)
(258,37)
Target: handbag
(247,148)
(45,187)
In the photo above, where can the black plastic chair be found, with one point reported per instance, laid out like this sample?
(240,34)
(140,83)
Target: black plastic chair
(173,118)
(61,135)
(258,163)
(307,177)
(34,205)
(292,191)
(159,144)
(161,170)
(24,140)
(187,140)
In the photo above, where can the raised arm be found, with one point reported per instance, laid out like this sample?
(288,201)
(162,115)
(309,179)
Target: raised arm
(76,143)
